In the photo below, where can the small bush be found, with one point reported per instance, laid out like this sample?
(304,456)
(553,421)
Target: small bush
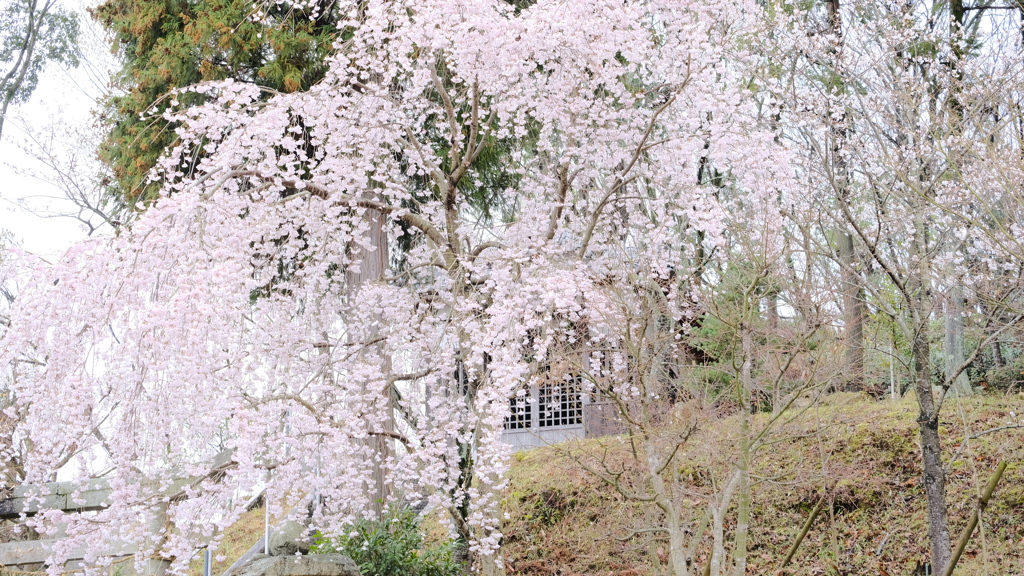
(392,546)
(1006,378)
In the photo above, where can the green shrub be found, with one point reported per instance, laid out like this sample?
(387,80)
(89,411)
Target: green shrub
(1007,378)
(392,546)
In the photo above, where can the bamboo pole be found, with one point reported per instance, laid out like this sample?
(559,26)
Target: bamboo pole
(803,532)
(973,523)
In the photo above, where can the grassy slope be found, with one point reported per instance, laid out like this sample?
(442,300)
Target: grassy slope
(238,538)
(564,521)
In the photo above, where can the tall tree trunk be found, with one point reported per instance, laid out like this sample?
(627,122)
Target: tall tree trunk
(492,566)
(853,314)
(373,263)
(954,342)
(998,360)
(894,388)
(931,458)
(997,354)
(853,294)
(917,290)
(743,467)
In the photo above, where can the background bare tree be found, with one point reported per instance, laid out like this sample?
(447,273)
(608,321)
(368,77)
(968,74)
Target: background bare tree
(32,33)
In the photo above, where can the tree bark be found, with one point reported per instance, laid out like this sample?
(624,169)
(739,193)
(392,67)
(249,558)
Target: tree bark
(954,342)
(853,294)
(718,509)
(997,354)
(928,426)
(373,263)
(853,314)
(676,537)
(743,503)
(894,388)
(743,468)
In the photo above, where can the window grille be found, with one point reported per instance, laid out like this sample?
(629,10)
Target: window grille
(560,404)
(520,414)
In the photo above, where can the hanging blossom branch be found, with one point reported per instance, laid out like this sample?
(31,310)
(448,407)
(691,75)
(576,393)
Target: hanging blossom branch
(236,288)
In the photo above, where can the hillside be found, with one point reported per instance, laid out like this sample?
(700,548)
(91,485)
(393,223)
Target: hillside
(564,521)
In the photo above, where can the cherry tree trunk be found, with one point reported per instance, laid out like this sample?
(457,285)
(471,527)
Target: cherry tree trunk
(931,447)
(743,465)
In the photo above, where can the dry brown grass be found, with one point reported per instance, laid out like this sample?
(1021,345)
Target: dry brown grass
(862,454)
(237,540)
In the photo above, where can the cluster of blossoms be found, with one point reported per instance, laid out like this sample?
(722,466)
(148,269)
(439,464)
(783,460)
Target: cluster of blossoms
(391,254)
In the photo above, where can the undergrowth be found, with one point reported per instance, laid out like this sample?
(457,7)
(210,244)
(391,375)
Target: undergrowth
(392,546)
(860,455)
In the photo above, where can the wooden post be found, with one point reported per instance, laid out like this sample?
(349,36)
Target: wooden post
(158,529)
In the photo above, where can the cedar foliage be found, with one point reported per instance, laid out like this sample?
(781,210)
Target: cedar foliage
(169,44)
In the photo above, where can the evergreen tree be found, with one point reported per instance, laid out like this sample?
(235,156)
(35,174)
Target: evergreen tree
(169,44)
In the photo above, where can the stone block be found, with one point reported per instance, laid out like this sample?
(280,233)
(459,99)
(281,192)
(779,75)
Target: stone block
(311,565)
(289,538)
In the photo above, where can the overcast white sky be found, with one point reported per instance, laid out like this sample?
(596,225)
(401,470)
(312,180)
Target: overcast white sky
(65,98)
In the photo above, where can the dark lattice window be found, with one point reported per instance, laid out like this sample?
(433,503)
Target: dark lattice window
(561,403)
(520,414)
